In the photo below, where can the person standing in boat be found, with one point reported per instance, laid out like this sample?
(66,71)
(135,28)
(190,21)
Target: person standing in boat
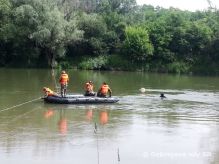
(104,90)
(89,89)
(63,80)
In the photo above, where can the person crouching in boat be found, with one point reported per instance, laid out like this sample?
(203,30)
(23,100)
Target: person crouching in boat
(89,89)
(49,92)
(104,90)
(63,80)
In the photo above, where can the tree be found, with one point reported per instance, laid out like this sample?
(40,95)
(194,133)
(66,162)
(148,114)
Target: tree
(53,33)
(94,28)
(161,37)
(137,44)
(199,36)
(119,6)
(5,12)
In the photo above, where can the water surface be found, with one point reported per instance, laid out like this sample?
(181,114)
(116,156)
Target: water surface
(141,128)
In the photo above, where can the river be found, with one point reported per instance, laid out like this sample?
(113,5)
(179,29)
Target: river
(141,128)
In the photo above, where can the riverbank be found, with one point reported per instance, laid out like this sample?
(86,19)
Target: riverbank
(119,63)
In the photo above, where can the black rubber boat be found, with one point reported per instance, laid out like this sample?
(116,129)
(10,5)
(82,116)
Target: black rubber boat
(80,99)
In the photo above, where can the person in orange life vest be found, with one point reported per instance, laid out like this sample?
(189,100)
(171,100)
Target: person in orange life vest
(104,90)
(89,89)
(63,80)
(49,92)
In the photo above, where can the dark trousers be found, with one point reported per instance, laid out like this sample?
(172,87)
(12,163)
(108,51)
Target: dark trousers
(63,90)
(100,95)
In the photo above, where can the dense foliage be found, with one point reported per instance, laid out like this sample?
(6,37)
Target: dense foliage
(108,34)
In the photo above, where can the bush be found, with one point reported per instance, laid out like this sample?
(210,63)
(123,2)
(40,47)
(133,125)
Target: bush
(118,62)
(96,63)
(112,62)
(137,44)
(178,67)
(65,65)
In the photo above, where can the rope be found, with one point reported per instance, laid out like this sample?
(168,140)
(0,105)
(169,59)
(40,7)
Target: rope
(16,118)
(19,116)
(19,105)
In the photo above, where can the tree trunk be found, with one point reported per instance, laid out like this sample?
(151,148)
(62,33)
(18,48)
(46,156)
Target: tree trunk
(50,58)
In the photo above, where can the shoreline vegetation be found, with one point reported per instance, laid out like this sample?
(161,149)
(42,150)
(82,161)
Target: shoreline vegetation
(108,35)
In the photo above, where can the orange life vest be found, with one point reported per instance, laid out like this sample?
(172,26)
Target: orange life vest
(104,89)
(48,92)
(89,87)
(64,78)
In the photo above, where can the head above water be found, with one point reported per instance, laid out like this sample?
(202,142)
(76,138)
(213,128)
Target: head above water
(162,95)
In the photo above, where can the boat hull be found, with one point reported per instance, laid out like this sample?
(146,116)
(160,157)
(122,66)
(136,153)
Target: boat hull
(80,100)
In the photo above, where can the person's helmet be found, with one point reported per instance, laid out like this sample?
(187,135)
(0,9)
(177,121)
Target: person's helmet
(63,72)
(90,82)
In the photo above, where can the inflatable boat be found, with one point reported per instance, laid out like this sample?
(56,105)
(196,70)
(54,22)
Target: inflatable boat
(79,99)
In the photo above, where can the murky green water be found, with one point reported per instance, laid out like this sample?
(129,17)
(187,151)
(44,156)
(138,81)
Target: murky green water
(141,128)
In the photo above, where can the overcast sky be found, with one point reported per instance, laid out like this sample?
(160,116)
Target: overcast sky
(191,5)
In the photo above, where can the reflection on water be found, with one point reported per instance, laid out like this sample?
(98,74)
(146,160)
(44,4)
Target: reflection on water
(183,128)
(89,114)
(49,113)
(62,122)
(103,117)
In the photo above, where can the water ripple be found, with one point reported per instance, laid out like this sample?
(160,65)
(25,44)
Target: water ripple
(185,104)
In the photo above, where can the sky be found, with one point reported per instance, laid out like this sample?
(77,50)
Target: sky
(191,5)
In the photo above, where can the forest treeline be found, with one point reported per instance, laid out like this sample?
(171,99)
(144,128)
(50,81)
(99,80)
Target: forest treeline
(108,35)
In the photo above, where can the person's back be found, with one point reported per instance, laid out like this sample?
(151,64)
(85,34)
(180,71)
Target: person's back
(104,90)
(63,80)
